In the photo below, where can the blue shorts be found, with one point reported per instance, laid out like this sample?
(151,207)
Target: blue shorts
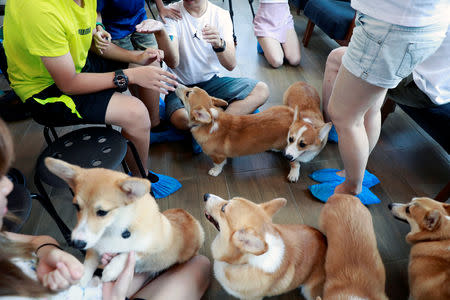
(383,54)
(226,88)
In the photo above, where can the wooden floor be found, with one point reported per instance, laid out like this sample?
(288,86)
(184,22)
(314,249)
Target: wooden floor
(406,160)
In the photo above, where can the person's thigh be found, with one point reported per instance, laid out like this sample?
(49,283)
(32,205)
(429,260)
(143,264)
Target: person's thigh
(292,47)
(127,112)
(272,50)
(173,103)
(124,42)
(382,54)
(142,41)
(229,88)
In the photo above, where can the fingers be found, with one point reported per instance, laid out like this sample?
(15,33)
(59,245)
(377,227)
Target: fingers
(175,14)
(74,266)
(55,281)
(106,258)
(163,19)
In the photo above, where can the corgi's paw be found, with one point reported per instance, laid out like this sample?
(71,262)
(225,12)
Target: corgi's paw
(214,171)
(110,274)
(114,267)
(293,175)
(85,280)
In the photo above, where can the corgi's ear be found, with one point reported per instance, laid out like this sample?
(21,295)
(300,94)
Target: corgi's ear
(431,220)
(201,115)
(296,114)
(323,132)
(134,187)
(248,240)
(63,170)
(219,102)
(447,208)
(273,206)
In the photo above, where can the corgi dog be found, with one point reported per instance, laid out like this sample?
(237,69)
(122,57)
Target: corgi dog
(117,214)
(429,260)
(255,258)
(308,133)
(353,264)
(223,135)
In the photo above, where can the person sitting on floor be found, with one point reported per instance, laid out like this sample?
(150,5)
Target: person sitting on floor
(52,70)
(202,43)
(35,266)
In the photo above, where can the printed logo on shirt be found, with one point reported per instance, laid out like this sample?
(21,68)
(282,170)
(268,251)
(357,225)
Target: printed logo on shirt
(84,31)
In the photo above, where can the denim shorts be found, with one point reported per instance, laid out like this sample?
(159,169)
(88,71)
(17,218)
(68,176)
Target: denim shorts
(137,41)
(226,88)
(383,54)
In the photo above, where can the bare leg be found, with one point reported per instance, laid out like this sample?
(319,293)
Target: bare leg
(347,111)
(255,99)
(180,119)
(187,281)
(131,114)
(292,48)
(333,63)
(272,51)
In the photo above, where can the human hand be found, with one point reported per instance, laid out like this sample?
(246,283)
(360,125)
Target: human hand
(149,26)
(211,35)
(171,13)
(118,289)
(153,78)
(57,269)
(102,39)
(148,56)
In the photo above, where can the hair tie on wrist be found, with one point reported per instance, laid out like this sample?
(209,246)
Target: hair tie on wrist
(47,244)
(100,24)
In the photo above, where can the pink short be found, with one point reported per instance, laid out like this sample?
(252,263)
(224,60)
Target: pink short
(273,20)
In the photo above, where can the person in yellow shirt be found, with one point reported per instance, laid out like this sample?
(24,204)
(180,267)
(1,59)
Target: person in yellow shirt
(51,69)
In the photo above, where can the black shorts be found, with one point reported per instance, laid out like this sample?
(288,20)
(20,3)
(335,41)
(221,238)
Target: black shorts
(85,109)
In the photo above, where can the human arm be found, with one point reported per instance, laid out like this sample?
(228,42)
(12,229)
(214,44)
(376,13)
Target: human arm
(226,58)
(56,269)
(170,47)
(62,70)
(168,12)
(118,289)
(102,38)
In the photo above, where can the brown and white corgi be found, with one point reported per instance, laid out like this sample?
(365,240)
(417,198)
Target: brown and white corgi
(255,258)
(353,264)
(117,214)
(308,132)
(223,135)
(429,261)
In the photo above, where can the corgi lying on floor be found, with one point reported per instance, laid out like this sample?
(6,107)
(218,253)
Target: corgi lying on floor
(308,133)
(223,135)
(353,265)
(117,214)
(254,257)
(429,261)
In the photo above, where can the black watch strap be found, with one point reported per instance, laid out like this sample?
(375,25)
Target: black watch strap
(222,48)
(120,81)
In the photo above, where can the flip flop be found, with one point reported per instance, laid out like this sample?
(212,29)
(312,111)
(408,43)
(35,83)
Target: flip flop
(325,190)
(327,175)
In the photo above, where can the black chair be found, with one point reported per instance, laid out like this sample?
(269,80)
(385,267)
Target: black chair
(87,147)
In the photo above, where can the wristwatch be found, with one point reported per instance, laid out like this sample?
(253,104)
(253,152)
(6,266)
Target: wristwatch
(121,81)
(221,48)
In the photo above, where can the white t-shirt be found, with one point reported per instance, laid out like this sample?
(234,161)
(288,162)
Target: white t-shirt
(198,61)
(273,1)
(413,13)
(432,76)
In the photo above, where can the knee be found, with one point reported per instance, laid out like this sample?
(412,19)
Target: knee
(201,272)
(180,119)
(136,116)
(334,59)
(262,91)
(294,60)
(275,61)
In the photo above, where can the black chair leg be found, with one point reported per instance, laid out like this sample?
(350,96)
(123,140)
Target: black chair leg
(230,4)
(45,201)
(250,2)
(137,159)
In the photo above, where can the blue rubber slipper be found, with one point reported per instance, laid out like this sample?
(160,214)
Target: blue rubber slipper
(327,175)
(325,190)
(332,135)
(170,135)
(259,49)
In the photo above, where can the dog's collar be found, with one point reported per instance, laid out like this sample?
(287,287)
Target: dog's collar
(126,234)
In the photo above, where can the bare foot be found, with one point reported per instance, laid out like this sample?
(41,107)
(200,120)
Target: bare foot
(347,188)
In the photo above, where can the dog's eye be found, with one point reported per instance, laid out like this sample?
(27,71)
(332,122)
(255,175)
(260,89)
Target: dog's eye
(291,139)
(223,207)
(301,144)
(101,213)
(77,207)
(407,210)
(187,93)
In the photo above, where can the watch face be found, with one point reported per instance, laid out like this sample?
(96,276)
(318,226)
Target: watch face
(121,80)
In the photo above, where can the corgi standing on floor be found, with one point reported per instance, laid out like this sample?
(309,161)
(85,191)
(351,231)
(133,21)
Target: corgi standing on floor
(308,133)
(353,264)
(223,135)
(117,214)
(429,261)
(255,258)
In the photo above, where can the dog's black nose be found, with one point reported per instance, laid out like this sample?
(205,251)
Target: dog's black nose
(79,244)
(289,157)
(390,206)
(206,196)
